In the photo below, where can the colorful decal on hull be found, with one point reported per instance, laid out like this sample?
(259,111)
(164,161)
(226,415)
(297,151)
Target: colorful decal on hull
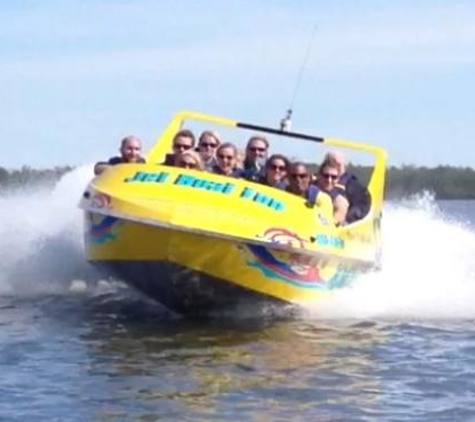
(283,236)
(293,268)
(99,230)
(296,270)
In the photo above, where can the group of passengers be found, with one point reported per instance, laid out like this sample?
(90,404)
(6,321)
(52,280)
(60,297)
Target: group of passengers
(351,200)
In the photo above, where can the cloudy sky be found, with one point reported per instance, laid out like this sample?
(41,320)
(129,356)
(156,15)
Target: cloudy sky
(77,76)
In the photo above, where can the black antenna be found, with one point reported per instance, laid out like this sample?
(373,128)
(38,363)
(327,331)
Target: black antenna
(286,122)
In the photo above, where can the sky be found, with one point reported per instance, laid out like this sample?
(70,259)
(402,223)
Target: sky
(77,76)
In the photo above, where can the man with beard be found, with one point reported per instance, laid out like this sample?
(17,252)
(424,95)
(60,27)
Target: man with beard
(255,158)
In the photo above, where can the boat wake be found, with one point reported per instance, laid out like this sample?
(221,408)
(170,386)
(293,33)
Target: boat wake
(428,271)
(428,267)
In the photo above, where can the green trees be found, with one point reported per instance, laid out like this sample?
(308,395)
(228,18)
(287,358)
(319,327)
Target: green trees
(446,182)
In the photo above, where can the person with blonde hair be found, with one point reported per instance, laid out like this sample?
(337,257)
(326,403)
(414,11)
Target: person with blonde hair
(190,160)
(226,160)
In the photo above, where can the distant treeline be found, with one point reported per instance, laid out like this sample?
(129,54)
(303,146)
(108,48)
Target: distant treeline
(445,182)
(27,177)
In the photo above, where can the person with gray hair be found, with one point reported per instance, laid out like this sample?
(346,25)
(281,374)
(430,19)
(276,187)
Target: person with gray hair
(208,143)
(255,157)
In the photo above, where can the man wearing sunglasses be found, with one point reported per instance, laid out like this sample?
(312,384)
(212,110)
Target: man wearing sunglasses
(300,183)
(184,140)
(255,158)
(348,185)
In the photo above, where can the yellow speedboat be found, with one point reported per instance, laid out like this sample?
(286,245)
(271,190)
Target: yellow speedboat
(199,242)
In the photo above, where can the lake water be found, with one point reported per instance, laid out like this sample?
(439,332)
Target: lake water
(396,346)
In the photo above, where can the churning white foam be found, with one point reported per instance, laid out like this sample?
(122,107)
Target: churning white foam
(41,237)
(428,269)
(428,266)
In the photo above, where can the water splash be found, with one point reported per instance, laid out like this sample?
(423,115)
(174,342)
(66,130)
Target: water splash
(41,240)
(428,269)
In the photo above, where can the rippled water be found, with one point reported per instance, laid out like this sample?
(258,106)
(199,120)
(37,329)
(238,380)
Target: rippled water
(396,346)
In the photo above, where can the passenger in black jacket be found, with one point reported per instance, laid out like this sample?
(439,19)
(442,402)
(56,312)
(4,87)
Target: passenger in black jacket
(184,140)
(130,152)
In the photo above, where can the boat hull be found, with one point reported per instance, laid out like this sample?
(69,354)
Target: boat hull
(193,293)
(192,273)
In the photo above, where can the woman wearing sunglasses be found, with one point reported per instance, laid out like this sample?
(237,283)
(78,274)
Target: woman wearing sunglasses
(227,160)
(327,179)
(276,170)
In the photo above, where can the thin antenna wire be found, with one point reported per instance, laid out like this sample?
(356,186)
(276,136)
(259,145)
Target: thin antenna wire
(302,68)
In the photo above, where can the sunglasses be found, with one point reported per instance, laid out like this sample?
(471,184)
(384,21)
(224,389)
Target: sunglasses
(299,175)
(277,167)
(257,149)
(329,176)
(188,165)
(207,144)
(226,157)
(182,146)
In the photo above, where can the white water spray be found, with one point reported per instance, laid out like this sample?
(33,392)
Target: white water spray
(41,237)
(428,269)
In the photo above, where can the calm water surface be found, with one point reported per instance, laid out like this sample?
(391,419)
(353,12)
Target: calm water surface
(105,353)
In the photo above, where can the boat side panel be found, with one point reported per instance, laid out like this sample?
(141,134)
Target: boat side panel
(291,277)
